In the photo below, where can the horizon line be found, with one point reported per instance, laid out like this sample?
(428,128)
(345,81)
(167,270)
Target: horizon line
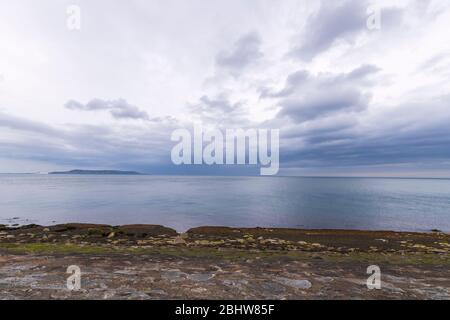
(235,175)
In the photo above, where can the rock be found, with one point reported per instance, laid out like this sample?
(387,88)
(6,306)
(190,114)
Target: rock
(111,235)
(199,290)
(203,242)
(273,288)
(295,283)
(201,277)
(29,226)
(438,250)
(235,283)
(179,240)
(142,231)
(10,236)
(157,292)
(46,230)
(173,275)
(66,227)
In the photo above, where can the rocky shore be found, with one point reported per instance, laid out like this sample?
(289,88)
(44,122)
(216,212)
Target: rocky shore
(155,262)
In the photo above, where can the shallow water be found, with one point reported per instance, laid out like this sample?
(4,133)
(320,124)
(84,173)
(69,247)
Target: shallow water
(185,202)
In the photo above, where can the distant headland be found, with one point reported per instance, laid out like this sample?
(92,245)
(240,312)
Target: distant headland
(78,171)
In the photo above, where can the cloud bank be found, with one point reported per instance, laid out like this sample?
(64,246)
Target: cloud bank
(347,100)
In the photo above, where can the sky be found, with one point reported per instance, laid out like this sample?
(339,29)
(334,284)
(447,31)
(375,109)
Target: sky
(356,88)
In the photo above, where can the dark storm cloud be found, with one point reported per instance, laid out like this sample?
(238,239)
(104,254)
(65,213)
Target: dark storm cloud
(390,139)
(325,123)
(245,51)
(87,145)
(119,109)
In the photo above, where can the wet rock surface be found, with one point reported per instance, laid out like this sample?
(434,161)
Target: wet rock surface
(154,262)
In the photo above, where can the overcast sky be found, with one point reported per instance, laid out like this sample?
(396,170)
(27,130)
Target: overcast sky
(348,99)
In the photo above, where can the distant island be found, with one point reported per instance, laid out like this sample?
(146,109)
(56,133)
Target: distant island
(77,171)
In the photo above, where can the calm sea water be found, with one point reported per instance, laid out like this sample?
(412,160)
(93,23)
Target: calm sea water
(185,202)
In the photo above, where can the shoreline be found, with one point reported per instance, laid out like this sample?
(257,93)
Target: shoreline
(144,236)
(15,223)
(155,262)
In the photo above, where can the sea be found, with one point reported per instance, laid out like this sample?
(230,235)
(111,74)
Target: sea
(183,202)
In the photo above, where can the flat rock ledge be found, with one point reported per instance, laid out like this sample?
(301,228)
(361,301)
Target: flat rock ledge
(155,262)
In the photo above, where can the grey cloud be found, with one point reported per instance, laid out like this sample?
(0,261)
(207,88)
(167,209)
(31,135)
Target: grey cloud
(333,21)
(306,97)
(324,124)
(318,104)
(362,73)
(219,104)
(119,109)
(392,138)
(437,64)
(220,110)
(294,81)
(319,127)
(21,124)
(87,146)
(245,51)
(129,113)
(338,20)
(75,105)
(302,80)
